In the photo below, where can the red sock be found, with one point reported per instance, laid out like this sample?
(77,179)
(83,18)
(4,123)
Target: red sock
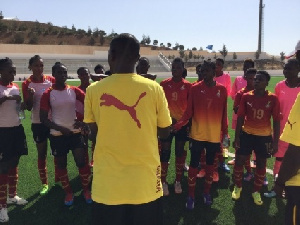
(208,178)
(43,171)
(259,178)
(12,182)
(247,164)
(164,171)
(3,190)
(64,179)
(56,176)
(179,167)
(238,175)
(192,177)
(84,174)
(203,160)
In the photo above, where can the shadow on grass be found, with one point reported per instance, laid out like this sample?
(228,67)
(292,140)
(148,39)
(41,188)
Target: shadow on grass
(50,208)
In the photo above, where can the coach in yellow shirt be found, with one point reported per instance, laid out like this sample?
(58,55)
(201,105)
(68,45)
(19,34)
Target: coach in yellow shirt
(126,113)
(289,173)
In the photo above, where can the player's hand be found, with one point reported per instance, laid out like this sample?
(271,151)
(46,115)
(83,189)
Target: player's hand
(14,97)
(274,147)
(31,91)
(65,131)
(85,130)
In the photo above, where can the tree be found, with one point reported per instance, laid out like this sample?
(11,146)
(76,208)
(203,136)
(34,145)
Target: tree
(18,38)
(169,45)
(145,40)
(161,44)
(1,15)
(33,40)
(200,49)
(272,61)
(282,56)
(102,35)
(234,56)
(89,32)
(194,49)
(96,32)
(190,54)
(186,58)
(181,53)
(73,28)
(155,42)
(224,52)
(181,47)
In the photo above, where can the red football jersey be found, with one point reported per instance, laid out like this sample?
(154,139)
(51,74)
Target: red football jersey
(238,96)
(258,112)
(177,96)
(207,106)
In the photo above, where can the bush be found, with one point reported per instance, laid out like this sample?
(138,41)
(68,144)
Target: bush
(33,40)
(18,38)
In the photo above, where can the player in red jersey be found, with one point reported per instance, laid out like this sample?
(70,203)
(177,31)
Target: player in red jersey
(143,67)
(32,89)
(176,90)
(207,107)
(254,132)
(239,83)
(65,135)
(249,77)
(12,138)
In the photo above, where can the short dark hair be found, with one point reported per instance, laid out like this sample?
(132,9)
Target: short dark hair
(294,62)
(220,60)
(97,67)
(249,61)
(265,73)
(33,59)
(82,68)
(126,45)
(198,65)
(57,65)
(5,62)
(178,60)
(209,64)
(251,71)
(144,59)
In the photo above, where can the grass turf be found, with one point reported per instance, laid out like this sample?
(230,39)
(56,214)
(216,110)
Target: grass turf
(49,209)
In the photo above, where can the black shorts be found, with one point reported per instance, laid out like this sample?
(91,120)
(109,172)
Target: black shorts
(197,147)
(259,144)
(146,214)
(61,145)
(180,135)
(12,143)
(40,132)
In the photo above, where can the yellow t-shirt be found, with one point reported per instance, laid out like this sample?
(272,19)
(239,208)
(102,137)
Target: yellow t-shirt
(127,109)
(291,134)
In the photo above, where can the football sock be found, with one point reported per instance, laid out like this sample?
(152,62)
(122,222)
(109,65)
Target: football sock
(192,177)
(84,174)
(164,171)
(208,178)
(259,178)
(43,170)
(12,182)
(64,179)
(179,167)
(238,175)
(3,190)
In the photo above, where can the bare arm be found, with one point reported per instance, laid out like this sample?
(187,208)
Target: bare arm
(163,132)
(29,100)
(238,129)
(94,130)
(276,134)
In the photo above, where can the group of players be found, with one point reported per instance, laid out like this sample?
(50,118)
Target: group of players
(56,114)
(199,110)
(199,116)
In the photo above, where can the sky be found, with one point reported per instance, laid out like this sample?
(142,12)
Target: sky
(192,23)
